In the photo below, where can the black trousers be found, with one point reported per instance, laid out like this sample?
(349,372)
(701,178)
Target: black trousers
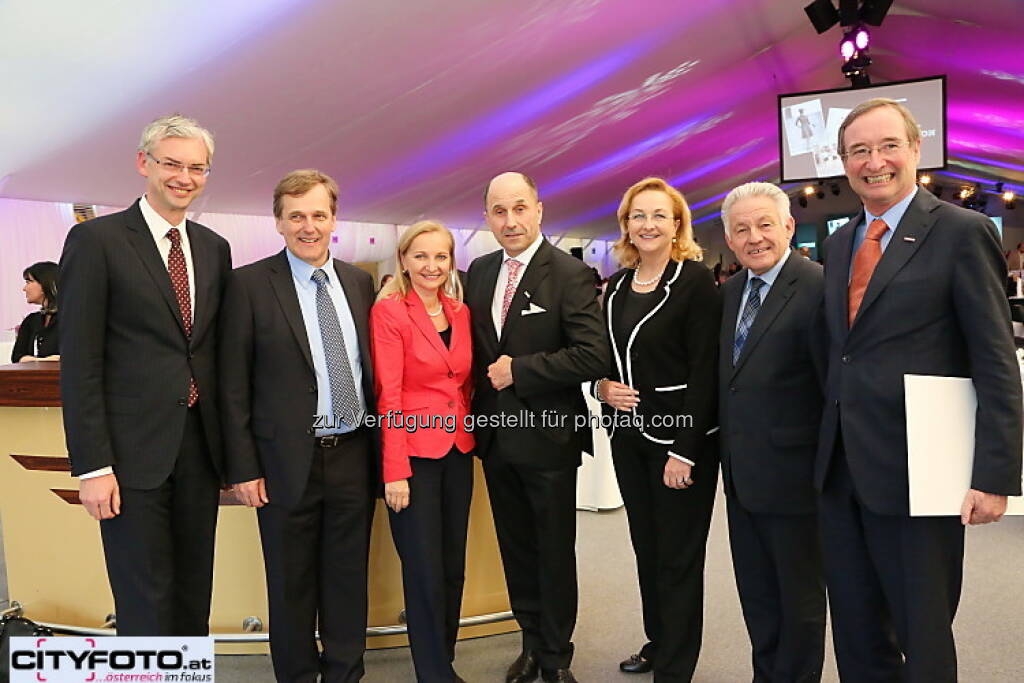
(781,582)
(430,536)
(315,555)
(535,520)
(159,550)
(894,586)
(669,531)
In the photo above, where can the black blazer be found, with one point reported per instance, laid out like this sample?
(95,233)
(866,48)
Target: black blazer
(934,306)
(770,402)
(670,357)
(268,384)
(32,333)
(125,360)
(553,353)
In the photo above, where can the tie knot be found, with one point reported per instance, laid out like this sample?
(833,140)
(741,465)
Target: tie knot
(174,235)
(319,277)
(755,285)
(876,229)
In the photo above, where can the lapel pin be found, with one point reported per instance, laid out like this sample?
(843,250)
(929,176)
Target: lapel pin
(909,239)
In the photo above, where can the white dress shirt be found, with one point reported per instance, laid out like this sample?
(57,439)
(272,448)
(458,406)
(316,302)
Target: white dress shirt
(499,287)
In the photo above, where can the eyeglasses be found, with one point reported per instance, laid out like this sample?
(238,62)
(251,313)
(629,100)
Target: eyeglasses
(886,150)
(639,219)
(176,167)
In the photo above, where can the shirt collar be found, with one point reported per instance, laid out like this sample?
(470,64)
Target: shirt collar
(773,272)
(303,272)
(156,223)
(894,214)
(527,255)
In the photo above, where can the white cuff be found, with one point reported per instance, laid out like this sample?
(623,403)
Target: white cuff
(682,459)
(101,472)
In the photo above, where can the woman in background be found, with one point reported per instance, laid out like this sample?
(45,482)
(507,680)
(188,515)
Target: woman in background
(663,313)
(37,335)
(422,361)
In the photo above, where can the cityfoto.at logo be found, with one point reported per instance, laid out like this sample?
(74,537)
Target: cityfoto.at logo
(114,658)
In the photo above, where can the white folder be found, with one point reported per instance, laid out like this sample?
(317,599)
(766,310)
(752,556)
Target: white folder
(940,444)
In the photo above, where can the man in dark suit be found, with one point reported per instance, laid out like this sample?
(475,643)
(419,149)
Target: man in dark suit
(297,382)
(139,294)
(537,336)
(771,369)
(913,285)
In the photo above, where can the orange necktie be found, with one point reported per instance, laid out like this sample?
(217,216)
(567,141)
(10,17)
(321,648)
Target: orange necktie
(864,262)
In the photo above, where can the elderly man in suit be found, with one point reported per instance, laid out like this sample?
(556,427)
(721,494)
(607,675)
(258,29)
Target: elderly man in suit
(139,293)
(297,382)
(771,370)
(913,285)
(537,335)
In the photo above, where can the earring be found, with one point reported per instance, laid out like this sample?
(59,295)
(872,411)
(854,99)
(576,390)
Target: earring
(674,240)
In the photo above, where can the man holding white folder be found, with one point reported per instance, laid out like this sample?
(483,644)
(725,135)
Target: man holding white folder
(913,285)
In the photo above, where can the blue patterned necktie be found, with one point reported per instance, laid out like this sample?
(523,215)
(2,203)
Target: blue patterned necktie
(750,310)
(344,401)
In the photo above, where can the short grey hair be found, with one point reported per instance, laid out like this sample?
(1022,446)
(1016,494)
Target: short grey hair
(175,126)
(748,190)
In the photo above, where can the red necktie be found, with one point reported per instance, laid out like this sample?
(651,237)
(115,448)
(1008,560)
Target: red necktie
(864,263)
(510,287)
(178,271)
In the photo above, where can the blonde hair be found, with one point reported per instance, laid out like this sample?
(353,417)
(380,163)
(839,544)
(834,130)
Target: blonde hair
(684,247)
(175,126)
(400,284)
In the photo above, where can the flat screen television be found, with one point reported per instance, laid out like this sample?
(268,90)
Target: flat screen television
(809,125)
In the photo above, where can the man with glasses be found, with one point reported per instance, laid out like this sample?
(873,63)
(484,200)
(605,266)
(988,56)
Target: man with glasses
(913,285)
(139,294)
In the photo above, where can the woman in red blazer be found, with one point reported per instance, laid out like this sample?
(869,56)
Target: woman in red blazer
(422,359)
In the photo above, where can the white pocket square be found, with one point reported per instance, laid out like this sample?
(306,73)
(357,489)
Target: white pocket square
(534,308)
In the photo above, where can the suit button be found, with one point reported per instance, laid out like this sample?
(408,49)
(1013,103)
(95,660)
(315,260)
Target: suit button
(450,374)
(312,388)
(732,390)
(837,403)
(451,404)
(846,360)
(182,402)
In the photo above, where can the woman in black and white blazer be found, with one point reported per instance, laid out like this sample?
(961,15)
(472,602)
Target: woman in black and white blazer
(663,311)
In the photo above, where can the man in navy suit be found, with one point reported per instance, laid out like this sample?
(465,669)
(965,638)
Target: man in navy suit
(139,294)
(913,285)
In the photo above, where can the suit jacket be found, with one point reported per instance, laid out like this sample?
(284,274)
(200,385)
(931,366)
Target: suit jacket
(421,379)
(553,352)
(934,306)
(269,387)
(125,359)
(670,357)
(770,401)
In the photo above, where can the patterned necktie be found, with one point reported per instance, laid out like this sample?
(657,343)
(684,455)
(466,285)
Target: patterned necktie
(510,286)
(344,401)
(750,310)
(178,271)
(864,263)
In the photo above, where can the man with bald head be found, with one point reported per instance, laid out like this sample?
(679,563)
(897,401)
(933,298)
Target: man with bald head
(537,336)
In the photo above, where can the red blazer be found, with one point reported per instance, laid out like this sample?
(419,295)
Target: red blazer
(423,387)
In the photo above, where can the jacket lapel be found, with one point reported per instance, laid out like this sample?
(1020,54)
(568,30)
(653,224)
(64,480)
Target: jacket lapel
(141,239)
(482,287)
(732,294)
(419,317)
(202,269)
(528,283)
(359,306)
(778,296)
(837,275)
(916,224)
(284,289)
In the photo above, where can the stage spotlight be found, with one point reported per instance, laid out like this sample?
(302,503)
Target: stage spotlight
(822,14)
(1008,200)
(809,190)
(966,192)
(847,48)
(925,179)
(802,201)
(835,189)
(861,38)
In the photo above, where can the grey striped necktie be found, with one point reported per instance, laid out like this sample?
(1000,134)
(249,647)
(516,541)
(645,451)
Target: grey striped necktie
(344,401)
(750,310)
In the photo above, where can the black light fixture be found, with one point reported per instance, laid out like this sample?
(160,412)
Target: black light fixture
(854,16)
(822,14)
(937,189)
(999,187)
(835,189)
(802,201)
(873,11)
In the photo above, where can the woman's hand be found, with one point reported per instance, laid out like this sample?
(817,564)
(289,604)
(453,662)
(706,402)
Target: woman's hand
(618,395)
(396,494)
(678,474)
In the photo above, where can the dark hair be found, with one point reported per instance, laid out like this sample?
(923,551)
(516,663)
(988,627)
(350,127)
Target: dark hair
(45,273)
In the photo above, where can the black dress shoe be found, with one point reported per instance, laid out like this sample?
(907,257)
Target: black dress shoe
(524,669)
(557,676)
(636,664)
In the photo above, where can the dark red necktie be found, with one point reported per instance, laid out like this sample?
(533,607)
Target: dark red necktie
(179,280)
(864,263)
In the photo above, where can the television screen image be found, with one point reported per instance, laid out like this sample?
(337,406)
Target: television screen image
(809,125)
